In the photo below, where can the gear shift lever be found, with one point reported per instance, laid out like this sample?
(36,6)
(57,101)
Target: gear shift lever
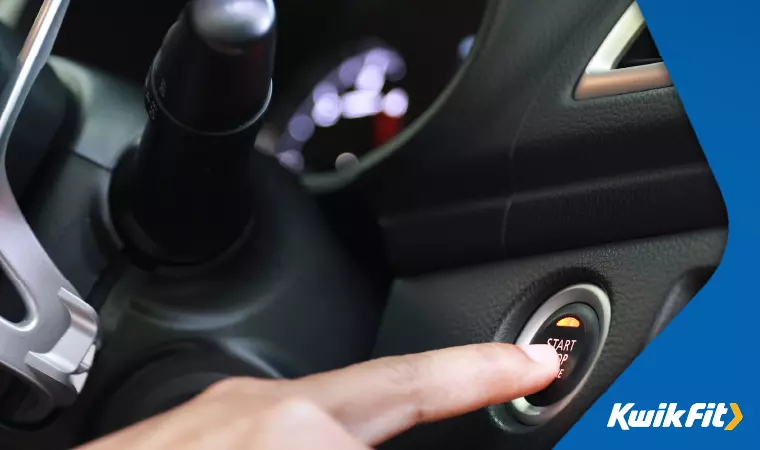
(184,194)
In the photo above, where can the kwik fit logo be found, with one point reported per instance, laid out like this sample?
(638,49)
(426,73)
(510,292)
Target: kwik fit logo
(668,415)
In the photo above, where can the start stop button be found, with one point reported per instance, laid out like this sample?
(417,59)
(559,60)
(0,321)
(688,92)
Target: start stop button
(573,331)
(575,322)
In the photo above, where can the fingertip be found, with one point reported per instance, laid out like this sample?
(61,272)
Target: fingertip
(544,355)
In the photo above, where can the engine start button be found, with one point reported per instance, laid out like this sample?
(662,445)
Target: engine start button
(576,322)
(573,331)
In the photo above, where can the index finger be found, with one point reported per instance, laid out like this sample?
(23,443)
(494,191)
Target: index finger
(382,398)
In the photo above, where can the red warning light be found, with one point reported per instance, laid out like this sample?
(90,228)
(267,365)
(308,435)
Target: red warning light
(569,322)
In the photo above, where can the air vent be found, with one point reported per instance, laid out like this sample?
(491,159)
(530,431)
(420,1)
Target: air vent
(626,62)
(643,51)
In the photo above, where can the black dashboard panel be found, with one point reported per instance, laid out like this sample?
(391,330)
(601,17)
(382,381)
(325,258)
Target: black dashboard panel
(492,302)
(507,159)
(505,162)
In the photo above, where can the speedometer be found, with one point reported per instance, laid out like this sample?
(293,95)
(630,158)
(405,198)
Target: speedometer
(364,88)
(358,106)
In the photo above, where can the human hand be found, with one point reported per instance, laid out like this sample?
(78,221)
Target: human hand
(346,409)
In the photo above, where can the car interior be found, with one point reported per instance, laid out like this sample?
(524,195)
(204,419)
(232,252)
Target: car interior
(186,199)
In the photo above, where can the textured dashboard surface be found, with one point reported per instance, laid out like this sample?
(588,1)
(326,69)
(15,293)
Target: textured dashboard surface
(493,301)
(512,107)
(507,147)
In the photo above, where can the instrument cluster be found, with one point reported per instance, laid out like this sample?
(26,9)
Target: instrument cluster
(391,65)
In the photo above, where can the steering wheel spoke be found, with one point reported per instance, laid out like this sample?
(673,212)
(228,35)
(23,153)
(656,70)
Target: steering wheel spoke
(53,347)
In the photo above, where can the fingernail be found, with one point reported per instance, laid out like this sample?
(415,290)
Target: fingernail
(541,353)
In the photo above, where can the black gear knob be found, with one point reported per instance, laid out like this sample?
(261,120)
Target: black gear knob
(183,195)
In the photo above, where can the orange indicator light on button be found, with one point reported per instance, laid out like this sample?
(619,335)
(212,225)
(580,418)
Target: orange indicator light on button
(569,322)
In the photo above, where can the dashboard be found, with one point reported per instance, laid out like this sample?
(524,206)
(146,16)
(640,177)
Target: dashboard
(441,181)
(350,75)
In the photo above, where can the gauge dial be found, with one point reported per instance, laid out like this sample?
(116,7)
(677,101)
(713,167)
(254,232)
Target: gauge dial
(346,103)
(358,106)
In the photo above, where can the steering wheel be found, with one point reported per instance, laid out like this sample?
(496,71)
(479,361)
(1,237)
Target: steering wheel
(548,164)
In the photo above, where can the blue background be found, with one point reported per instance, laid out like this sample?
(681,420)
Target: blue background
(710,352)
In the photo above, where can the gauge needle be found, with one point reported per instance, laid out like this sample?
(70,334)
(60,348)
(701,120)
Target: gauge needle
(386,128)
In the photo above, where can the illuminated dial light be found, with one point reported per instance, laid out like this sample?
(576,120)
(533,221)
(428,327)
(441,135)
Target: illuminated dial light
(324,88)
(358,104)
(396,103)
(356,108)
(327,110)
(292,159)
(371,78)
(301,127)
(349,70)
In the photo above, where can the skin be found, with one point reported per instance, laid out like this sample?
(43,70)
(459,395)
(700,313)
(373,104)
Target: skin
(346,409)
